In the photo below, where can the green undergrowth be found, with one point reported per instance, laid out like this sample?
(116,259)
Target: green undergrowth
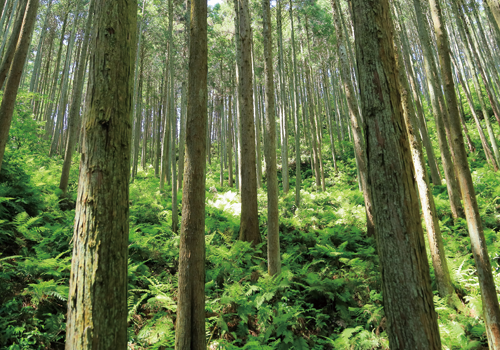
(328,295)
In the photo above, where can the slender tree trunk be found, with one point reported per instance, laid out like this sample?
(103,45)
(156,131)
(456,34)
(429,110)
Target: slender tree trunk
(295,110)
(475,226)
(438,254)
(230,140)
(190,329)
(35,76)
(53,89)
(182,136)
(273,239)
(249,223)
(283,109)
(13,42)
(16,70)
(440,114)
(64,84)
(408,304)
(97,302)
(359,146)
(76,102)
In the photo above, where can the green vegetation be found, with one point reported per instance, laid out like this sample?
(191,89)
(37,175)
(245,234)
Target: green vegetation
(326,297)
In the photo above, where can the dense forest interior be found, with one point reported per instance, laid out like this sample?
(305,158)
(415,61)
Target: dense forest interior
(306,174)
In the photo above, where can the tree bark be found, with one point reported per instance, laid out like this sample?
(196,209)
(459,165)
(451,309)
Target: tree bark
(97,302)
(273,239)
(408,304)
(190,329)
(249,223)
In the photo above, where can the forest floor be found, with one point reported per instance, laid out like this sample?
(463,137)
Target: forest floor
(328,295)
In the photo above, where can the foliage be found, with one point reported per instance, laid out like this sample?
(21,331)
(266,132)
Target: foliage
(328,295)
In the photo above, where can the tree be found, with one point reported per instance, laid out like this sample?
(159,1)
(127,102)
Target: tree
(249,224)
(16,70)
(474,223)
(190,330)
(97,302)
(273,238)
(74,111)
(408,303)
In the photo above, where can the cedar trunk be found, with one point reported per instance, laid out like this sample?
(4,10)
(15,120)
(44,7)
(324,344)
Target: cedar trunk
(190,330)
(97,302)
(408,303)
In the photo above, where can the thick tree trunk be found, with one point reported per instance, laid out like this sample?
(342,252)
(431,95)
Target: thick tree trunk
(190,329)
(475,226)
(408,304)
(16,70)
(97,302)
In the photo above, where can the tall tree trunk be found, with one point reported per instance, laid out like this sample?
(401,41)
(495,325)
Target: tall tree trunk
(273,238)
(282,108)
(295,110)
(230,140)
(438,253)
(249,223)
(13,42)
(35,76)
(16,70)
(182,136)
(190,329)
(64,84)
(97,302)
(408,304)
(475,226)
(53,89)
(359,146)
(440,113)
(76,100)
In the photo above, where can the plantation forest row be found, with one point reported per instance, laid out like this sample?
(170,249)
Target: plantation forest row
(301,174)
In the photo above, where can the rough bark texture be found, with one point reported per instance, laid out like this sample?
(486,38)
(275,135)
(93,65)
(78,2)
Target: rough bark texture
(273,239)
(249,224)
(97,302)
(16,70)
(409,308)
(475,226)
(190,329)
